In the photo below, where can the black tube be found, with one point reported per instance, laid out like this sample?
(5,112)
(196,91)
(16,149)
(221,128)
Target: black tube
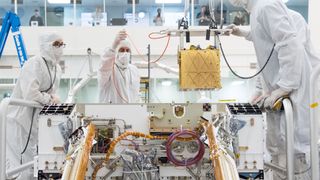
(208,34)
(148,83)
(29,135)
(242,77)
(187,36)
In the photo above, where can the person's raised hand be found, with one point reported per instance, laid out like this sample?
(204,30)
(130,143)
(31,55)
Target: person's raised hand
(122,35)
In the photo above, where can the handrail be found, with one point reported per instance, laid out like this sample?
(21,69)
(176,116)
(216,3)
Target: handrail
(73,91)
(289,137)
(3,118)
(314,115)
(20,168)
(3,109)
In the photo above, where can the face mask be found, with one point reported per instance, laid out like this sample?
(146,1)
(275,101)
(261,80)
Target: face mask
(57,52)
(123,59)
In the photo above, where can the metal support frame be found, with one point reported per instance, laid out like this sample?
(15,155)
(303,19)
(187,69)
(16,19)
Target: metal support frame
(3,118)
(221,14)
(314,115)
(149,74)
(289,170)
(194,33)
(73,91)
(18,169)
(3,108)
(289,138)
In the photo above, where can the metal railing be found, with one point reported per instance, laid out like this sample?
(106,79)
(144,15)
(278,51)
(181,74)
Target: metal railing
(314,116)
(289,134)
(289,137)
(3,118)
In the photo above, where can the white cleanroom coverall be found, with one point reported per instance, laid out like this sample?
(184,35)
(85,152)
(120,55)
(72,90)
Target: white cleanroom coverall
(38,81)
(288,72)
(119,81)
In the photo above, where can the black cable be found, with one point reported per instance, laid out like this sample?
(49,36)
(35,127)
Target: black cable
(242,77)
(33,109)
(29,135)
(54,78)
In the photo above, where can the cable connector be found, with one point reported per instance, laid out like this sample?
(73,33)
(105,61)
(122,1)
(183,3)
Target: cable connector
(128,126)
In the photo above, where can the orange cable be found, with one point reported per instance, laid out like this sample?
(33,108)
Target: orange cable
(165,49)
(135,47)
(113,145)
(151,37)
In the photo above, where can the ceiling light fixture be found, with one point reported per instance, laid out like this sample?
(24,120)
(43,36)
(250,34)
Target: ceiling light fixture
(237,83)
(141,15)
(168,1)
(59,1)
(166,83)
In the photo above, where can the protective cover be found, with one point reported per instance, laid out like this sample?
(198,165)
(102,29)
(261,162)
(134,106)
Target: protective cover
(199,69)
(86,149)
(223,165)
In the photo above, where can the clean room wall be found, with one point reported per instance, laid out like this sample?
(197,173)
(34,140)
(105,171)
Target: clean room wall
(79,39)
(314,22)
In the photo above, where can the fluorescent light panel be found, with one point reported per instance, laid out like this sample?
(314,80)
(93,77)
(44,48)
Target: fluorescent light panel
(59,1)
(166,83)
(168,1)
(236,83)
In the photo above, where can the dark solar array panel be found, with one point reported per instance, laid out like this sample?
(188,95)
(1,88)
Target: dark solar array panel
(244,108)
(64,109)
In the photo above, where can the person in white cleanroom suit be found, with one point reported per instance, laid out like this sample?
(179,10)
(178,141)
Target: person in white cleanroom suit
(119,81)
(287,73)
(38,81)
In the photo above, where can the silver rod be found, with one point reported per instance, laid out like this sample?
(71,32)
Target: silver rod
(74,12)
(133,11)
(3,109)
(192,12)
(289,138)
(16,6)
(20,168)
(21,102)
(314,115)
(221,14)
(45,12)
(275,168)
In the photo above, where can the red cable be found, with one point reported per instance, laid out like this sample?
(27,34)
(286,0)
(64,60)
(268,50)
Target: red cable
(165,49)
(159,37)
(187,162)
(135,47)
(150,36)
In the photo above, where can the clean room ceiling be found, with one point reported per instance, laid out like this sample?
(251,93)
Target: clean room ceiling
(124,2)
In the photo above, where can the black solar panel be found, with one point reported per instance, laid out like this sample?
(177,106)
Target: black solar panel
(244,108)
(64,109)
